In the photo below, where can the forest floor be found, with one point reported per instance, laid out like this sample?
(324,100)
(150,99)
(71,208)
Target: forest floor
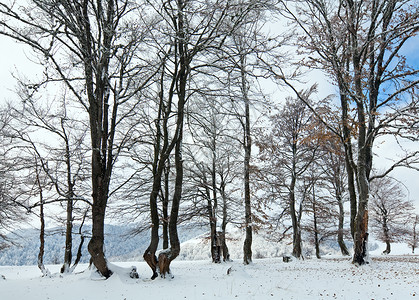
(332,277)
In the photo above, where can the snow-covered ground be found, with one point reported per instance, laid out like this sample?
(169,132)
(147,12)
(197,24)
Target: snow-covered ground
(386,277)
(394,276)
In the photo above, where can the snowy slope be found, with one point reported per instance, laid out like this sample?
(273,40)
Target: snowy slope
(397,278)
(333,277)
(119,246)
(262,246)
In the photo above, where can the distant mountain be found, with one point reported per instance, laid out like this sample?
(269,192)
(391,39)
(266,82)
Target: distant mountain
(119,245)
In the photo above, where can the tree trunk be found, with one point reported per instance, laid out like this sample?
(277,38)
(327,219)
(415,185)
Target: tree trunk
(216,255)
(79,250)
(41,265)
(174,213)
(69,218)
(226,254)
(161,155)
(414,241)
(247,247)
(342,245)
(96,244)
(68,238)
(213,229)
(102,124)
(150,253)
(316,232)
(296,243)
(211,220)
(361,223)
(349,165)
(364,148)
(166,257)
(100,186)
(386,236)
(165,206)
(180,81)
(388,248)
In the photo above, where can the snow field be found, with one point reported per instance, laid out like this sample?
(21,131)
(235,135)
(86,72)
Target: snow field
(390,277)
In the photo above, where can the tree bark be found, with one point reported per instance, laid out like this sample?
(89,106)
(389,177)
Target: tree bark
(296,243)
(361,221)
(213,223)
(166,206)
(316,232)
(247,247)
(349,164)
(342,245)
(386,236)
(41,265)
(226,254)
(96,243)
(102,130)
(161,155)
(69,218)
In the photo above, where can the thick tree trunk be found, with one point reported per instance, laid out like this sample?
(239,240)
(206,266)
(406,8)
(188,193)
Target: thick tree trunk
(364,159)
(364,147)
(150,253)
(361,224)
(102,123)
(100,186)
(96,244)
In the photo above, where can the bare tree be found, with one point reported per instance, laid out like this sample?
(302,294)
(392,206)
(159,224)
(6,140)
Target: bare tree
(390,211)
(414,236)
(287,148)
(334,180)
(360,44)
(11,212)
(190,29)
(90,46)
(211,165)
(242,74)
(63,159)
